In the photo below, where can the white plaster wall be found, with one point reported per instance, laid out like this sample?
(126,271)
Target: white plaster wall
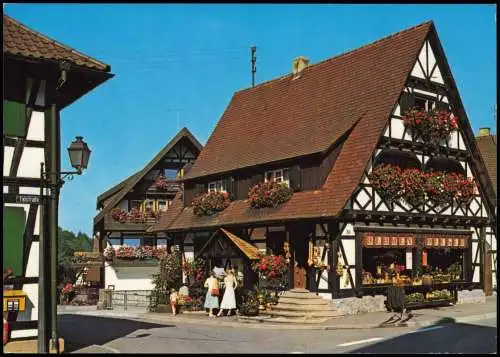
(326,296)
(32,266)
(31,291)
(319,231)
(348,230)
(8,152)
(129,278)
(36,129)
(29,166)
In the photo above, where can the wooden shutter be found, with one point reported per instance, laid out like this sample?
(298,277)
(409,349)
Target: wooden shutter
(256,178)
(14,119)
(14,219)
(230,186)
(199,188)
(407,101)
(295,178)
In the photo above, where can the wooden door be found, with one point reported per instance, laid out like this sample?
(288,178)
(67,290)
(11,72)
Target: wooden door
(298,247)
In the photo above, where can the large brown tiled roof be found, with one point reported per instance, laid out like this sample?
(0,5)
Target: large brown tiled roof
(23,41)
(287,117)
(353,92)
(166,218)
(488,147)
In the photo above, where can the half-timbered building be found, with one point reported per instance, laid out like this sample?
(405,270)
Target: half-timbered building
(150,193)
(41,77)
(322,130)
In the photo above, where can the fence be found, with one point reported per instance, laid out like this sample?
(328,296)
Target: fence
(125,299)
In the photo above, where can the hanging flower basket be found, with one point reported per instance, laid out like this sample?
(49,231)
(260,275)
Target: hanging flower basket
(432,126)
(210,203)
(121,216)
(118,214)
(269,194)
(413,183)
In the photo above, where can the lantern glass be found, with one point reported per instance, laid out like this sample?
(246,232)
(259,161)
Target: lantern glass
(79,154)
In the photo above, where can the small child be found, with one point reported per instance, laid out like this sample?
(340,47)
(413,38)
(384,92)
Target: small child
(174,296)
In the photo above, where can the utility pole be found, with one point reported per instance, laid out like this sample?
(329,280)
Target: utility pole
(253,60)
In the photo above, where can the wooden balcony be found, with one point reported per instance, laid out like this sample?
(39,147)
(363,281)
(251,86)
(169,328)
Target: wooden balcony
(110,224)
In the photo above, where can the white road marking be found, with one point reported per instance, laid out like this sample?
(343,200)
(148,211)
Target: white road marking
(296,352)
(360,341)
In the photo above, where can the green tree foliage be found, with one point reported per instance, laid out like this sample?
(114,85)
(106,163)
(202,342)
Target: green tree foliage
(68,243)
(169,276)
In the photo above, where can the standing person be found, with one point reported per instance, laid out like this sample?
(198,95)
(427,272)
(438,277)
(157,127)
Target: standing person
(212,297)
(173,301)
(238,291)
(229,299)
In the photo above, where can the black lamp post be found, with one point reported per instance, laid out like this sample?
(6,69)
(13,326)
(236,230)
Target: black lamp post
(79,154)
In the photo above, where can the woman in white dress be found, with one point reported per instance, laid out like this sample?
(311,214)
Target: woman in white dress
(229,299)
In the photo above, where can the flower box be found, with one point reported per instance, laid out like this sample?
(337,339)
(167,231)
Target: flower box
(269,194)
(210,203)
(432,126)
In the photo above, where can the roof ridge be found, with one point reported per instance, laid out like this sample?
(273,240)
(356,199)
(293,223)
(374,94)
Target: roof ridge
(429,22)
(56,43)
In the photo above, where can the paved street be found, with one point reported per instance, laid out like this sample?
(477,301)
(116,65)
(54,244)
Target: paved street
(130,336)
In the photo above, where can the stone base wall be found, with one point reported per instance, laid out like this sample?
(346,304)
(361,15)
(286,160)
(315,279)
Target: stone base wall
(473,296)
(354,305)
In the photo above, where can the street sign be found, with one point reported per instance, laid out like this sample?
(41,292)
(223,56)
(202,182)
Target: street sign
(28,199)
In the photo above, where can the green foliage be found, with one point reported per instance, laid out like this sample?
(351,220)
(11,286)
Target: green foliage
(169,276)
(68,243)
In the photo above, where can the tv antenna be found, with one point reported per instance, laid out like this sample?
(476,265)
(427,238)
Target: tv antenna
(253,60)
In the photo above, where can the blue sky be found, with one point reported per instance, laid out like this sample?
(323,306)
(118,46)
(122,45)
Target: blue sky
(194,57)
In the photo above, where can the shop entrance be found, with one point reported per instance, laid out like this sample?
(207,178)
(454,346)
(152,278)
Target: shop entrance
(298,243)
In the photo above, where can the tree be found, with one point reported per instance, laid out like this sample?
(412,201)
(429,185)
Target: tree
(68,243)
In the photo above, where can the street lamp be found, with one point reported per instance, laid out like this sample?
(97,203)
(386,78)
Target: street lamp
(79,155)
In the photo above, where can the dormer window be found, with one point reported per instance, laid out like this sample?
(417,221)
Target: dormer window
(424,104)
(278,176)
(217,186)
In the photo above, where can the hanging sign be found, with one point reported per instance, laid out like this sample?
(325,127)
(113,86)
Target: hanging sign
(446,242)
(383,239)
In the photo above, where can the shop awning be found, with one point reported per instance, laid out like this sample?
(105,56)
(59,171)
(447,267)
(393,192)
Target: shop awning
(224,244)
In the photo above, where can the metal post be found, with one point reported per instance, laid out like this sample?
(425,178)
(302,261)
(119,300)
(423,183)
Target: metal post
(42,331)
(125,301)
(54,196)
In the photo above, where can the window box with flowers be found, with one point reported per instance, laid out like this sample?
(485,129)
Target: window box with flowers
(145,255)
(210,203)
(431,125)
(269,194)
(122,216)
(161,183)
(416,187)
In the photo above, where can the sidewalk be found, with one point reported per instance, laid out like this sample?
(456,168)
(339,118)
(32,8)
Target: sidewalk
(464,313)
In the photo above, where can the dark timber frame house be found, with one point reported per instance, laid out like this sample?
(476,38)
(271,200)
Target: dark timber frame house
(141,192)
(322,129)
(41,78)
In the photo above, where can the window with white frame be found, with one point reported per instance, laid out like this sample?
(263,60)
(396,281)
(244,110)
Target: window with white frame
(217,186)
(278,176)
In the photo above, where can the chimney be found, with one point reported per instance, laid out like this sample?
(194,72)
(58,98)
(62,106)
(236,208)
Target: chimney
(298,64)
(484,132)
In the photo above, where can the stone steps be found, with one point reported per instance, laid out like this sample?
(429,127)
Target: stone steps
(303,314)
(298,295)
(300,307)
(303,301)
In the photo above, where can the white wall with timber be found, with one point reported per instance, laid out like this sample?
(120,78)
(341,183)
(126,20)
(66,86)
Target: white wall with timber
(129,278)
(29,167)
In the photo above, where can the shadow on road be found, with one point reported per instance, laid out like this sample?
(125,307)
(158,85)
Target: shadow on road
(80,331)
(443,337)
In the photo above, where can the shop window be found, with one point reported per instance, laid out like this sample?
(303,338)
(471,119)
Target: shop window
(444,260)
(405,160)
(444,164)
(380,265)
